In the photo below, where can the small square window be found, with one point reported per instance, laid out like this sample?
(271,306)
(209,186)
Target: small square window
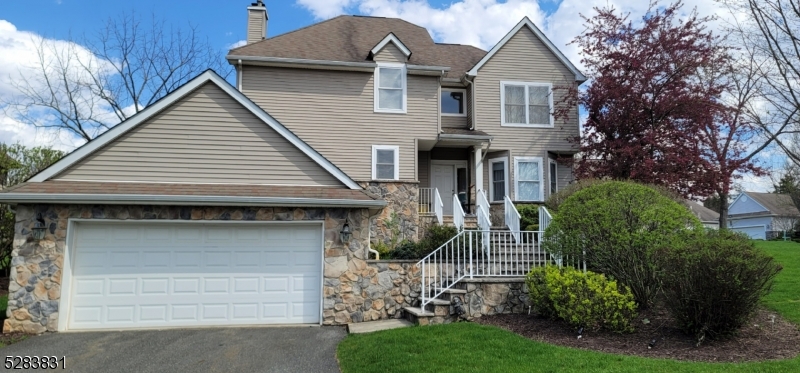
(385,162)
(452,102)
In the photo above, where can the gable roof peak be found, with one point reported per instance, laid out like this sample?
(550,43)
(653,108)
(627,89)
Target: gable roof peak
(207,77)
(526,22)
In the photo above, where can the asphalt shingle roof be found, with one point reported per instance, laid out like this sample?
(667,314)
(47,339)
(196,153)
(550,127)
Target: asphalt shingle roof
(777,204)
(351,38)
(232,190)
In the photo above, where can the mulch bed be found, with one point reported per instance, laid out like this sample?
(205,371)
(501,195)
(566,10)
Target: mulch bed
(761,339)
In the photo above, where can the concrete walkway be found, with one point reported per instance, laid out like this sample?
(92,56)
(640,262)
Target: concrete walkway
(257,349)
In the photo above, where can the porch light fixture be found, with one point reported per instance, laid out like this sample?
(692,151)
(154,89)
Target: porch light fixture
(38,229)
(346,233)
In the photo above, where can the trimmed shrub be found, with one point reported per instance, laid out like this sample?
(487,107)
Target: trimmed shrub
(588,300)
(713,284)
(528,217)
(436,235)
(539,292)
(618,225)
(406,250)
(555,200)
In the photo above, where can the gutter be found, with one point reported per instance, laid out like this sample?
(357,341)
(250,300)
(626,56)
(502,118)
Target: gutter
(448,136)
(184,200)
(300,61)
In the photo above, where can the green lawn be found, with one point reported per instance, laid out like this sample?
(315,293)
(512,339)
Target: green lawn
(468,347)
(785,296)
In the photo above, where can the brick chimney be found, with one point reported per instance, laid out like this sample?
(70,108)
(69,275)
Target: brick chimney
(256,22)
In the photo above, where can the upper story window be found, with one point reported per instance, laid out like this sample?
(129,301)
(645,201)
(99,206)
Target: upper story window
(453,102)
(390,88)
(526,104)
(385,162)
(528,179)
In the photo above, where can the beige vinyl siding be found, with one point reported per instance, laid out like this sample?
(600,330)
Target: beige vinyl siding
(333,111)
(523,58)
(255,26)
(205,137)
(565,176)
(454,122)
(390,53)
(424,167)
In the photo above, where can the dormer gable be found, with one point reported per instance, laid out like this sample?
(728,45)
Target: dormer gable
(390,49)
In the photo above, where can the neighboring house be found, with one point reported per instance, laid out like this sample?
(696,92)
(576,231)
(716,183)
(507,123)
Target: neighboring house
(707,216)
(222,205)
(763,216)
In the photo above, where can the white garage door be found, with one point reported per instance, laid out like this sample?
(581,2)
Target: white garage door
(756,232)
(134,274)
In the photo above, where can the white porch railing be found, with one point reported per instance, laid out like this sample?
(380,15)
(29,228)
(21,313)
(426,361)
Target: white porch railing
(462,257)
(458,213)
(544,218)
(438,206)
(512,218)
(484,219)
(426,201)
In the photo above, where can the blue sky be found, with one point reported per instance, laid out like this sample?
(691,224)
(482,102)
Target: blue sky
(222,22)
(476,22)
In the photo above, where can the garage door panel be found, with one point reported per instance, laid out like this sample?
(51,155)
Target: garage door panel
(157,275)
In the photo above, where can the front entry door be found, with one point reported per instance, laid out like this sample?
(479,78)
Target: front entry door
(444,181)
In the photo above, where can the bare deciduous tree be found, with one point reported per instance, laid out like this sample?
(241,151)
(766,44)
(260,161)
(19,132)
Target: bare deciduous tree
(769,32)
(87,85)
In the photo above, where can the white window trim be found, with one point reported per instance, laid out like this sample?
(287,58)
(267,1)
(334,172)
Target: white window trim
(492,161)
(516,177)
(464,92)
(396,150)
(526,84)
(376,87)
(552,176)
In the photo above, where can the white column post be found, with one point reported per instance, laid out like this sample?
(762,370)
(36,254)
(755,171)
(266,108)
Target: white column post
(478,169)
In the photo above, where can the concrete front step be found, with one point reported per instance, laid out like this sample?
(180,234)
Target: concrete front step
(374,326)
(419,316)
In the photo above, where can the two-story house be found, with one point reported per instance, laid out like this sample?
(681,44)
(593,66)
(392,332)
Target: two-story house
(257,203)
(406,117)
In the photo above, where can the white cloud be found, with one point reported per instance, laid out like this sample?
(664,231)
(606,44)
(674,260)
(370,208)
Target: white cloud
(22,65)
(324,9)
(236,44)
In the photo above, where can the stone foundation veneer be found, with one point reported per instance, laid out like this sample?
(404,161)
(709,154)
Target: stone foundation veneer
(354,289)
(401,198)
(35,283)
(493,296)
(370,290)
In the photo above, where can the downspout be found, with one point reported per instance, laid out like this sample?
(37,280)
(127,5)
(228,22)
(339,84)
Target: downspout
(239,76)
(472,102)
(369,243)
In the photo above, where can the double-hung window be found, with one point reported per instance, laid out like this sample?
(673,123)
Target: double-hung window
(528,179)
(498,185)
(526,104)
(390,88)
(385,162)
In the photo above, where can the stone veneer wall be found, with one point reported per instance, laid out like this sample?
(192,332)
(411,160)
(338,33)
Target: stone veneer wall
(492,296)
(402,198)
(35,284)
(370,290)
(497,214)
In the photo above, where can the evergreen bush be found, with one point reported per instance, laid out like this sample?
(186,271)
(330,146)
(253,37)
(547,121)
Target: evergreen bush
(616,226)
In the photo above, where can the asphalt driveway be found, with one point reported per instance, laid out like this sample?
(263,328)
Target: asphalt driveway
(259,349)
